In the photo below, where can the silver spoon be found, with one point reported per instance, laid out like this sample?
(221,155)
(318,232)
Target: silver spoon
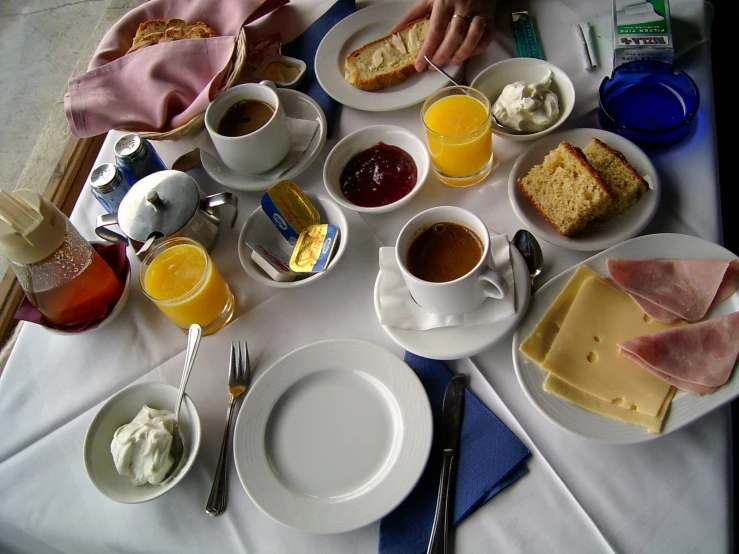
(526,243)
(177,450)
(494,120)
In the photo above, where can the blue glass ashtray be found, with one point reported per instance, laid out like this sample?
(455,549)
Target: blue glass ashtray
(649,103)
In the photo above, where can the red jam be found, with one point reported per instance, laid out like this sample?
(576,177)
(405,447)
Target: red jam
(378,176)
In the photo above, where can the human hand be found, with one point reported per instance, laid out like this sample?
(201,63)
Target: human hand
(458,29)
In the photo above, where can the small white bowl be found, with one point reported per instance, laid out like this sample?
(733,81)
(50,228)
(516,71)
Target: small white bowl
(259,228)
(363,139)
(492,80)
(293,62)
(120,409)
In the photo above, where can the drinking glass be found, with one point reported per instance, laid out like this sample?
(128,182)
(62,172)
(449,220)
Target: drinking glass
(180,278)
(459,135)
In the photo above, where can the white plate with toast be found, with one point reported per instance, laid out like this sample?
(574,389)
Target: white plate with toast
(596,236)
(685,407)
(355,31)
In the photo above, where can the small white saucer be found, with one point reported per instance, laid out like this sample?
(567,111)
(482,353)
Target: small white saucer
(453,343)
(297,105)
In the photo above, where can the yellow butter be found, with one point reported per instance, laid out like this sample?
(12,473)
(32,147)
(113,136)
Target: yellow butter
(585,353)
(564,390)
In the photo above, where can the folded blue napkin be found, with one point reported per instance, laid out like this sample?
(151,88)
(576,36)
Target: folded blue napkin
(304,48)
(490,458)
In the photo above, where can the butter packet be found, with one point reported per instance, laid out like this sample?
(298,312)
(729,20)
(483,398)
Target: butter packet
(273,260)
(315,248)
(289,209)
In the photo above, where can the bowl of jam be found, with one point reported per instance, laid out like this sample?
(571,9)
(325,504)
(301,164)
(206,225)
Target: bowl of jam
(376,169)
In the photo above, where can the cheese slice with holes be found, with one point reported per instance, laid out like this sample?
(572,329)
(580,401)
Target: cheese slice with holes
(564,390)
(584,353)
(538,343)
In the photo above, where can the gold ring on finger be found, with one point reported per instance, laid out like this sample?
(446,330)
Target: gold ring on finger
(484,22)
(467,18)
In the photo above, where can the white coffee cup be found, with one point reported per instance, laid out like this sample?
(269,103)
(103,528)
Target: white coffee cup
(460,295)
(260,150)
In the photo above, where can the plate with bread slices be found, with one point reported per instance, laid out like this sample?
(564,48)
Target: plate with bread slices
(584,189)
(362,66)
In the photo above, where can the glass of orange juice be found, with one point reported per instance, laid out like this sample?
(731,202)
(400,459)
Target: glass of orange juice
(458,134)
(179,276)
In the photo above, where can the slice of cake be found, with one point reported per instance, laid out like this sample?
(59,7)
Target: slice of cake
(566,189)
(625,183)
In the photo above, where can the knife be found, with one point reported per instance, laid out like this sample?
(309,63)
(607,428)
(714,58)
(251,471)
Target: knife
(451,425)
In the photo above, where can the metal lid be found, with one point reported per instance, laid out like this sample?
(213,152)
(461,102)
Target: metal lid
(104,177)
(127,145)
(163,202)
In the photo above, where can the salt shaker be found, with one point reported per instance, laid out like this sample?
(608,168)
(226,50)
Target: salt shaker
(59,270)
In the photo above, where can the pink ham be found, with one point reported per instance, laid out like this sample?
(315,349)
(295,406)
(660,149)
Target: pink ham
(696,358)
(670,290)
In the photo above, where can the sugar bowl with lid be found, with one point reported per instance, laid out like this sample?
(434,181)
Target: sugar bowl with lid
(162,205)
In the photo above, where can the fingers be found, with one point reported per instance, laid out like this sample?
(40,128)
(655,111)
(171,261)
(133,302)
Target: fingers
(418,10)
(487,37)
(471,40)
(440,19)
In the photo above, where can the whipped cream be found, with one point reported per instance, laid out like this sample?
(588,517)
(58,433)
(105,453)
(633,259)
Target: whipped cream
(141,448)
(528,107)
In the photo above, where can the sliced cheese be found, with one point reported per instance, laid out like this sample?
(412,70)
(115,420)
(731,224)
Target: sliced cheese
(555,385)
(585,351)
(540,341)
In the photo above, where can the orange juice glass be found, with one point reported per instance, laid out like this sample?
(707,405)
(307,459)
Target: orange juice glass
(458,135)
(179,276)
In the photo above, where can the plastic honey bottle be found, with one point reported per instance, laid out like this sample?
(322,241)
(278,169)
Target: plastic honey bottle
(59,270)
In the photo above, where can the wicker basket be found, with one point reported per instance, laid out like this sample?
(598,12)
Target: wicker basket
(197,123)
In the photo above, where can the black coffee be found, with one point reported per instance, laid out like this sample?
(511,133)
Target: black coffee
(244,117)
(444,252)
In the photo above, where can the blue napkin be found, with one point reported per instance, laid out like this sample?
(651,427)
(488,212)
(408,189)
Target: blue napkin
(490,458)
(304,48)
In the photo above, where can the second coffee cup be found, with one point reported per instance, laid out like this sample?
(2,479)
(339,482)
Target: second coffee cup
(443,255)
(248,127)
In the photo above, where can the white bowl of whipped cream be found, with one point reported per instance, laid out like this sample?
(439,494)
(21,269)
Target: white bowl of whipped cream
(530,96)
(127,442)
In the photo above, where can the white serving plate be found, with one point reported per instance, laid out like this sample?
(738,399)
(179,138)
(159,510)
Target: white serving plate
(333,436)
(357,30)
(596,236)
(685,407)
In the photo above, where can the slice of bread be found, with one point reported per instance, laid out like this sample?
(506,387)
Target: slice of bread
(625,183)
(386,61)
(156,31)
(566,190)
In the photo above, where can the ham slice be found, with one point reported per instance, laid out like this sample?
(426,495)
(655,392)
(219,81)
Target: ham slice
(696,358)
(671,290)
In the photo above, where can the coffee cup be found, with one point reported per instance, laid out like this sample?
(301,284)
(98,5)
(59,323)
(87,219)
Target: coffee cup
(248,127)
(443,254)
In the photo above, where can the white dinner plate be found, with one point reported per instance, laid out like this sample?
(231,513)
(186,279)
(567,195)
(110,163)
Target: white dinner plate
(685,407)
(333,436)
(596,236)
(357,30)
(453,343)
(297,105)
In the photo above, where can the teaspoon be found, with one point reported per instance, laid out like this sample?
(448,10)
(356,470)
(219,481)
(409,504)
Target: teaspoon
(526,243)
(177,450)
(494,120)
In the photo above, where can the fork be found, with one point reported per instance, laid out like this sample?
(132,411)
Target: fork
(239,376)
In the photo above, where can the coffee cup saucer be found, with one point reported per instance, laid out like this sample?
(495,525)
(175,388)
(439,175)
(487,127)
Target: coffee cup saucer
(296,105)
(453,343)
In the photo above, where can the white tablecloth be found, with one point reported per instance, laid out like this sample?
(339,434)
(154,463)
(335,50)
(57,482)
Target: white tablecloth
(671,495)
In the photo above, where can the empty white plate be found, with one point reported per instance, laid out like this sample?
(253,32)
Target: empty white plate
(333,436)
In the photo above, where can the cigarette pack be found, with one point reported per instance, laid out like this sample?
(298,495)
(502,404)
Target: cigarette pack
(641,31)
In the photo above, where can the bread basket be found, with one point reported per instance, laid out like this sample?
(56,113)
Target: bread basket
(197,123)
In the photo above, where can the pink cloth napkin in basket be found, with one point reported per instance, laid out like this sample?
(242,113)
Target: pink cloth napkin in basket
(163,86)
